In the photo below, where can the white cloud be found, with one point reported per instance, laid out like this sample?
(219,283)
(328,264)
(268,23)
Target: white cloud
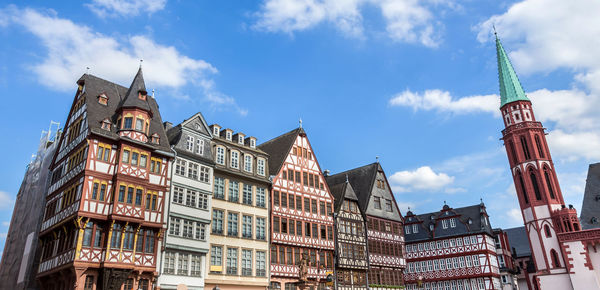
(71,47)
(409,21)
(114,8)
(5,223)
(423,178)
(515,217)
(442,101)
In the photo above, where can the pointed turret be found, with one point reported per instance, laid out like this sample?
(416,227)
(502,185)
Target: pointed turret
(510,87)
(136,95)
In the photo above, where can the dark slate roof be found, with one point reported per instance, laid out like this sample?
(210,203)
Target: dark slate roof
(362,180)
(340,192)
(131,99)
(278,149)
(517,238)
(463,214)
(590,209)
(96,112)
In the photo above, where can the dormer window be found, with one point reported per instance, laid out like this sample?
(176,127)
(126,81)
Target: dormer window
(252,143)
(216,131)
(106,124)
(155,138)
(431,227)
(241,139)
(103,99)
(228,135)
(142,95)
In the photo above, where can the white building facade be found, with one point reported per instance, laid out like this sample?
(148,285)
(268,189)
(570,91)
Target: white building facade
(187,217)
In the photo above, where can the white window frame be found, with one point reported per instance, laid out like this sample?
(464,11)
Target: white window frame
(220,155)
(189,144)
(248,164)
(452,222)
(444,224)
(234,159)
(415,228)
(199,146)
(260,166)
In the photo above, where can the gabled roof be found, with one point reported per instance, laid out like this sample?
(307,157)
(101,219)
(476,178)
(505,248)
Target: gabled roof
(278,149)
(96,112)
(590,209)
(131,99)
(517,238)
(340,192)
(510,87)
(175,133)
(362,180)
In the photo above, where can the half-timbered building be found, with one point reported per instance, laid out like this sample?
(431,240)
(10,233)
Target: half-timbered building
(350,237)
(451,249)
(239,238)
(301,212)
(183,258)
(103,220)
(384,223)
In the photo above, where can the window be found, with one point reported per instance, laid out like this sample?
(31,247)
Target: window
(188,229)
(260,197)
(444,224)
(128,238)
(193,170)
(377,201)
(452,222)
(261,267)
(260,166)
(307,229)
(235,156)
(476,261)
(220,155)
(130,194)
(202,201)
(276,224)
(247,194)
(313,205)
(228,135)
(138,197)
(134,158)
(174,226)
(246,262)
(139,124)
(232,257)
(125,156)
(523,190)
(189,144)
(103,152)
(199,146)
(143,284)
(549,183)
(555,259)
(260,228)
(143,160)
(122,193)
(248,163)
(177,195)
(196,269)
(234,191)
(180,166)
(190,198)
(298,202)
(247,226)
(217,222)
(155,165)
(182,264)
(536,189)
(232,224)
(200,231)
(322,207)
(219,191)
(216,257)
(89,282)
(547,231)
(525,147)
(128,123)
(128,285)
(415,228)
(204,174)
(388,205)
(538,143)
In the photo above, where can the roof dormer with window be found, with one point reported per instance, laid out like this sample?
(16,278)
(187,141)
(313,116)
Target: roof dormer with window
(227,134)
(239,138)
(215,130)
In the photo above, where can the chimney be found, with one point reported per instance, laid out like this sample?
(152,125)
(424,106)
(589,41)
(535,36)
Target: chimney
(326,172)
(167,125)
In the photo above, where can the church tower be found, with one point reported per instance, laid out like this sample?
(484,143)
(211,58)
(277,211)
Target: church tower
(540,198)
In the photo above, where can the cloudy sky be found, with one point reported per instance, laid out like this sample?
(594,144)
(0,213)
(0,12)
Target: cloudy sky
(413,82)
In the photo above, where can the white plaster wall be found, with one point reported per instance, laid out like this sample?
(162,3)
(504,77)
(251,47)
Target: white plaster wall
(557,282)
(581,276)
(537,249)
(595,258)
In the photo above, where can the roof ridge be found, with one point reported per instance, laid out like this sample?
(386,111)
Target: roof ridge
(278,137)
(353,169)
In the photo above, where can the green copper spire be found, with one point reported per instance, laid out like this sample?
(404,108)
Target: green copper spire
(510,87)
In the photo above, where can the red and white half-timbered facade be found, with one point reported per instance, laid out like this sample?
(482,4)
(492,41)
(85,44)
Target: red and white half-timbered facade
(301,211)
(103,220)
(451,249)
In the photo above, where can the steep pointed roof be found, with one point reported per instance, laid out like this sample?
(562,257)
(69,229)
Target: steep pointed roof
(362,178)
(340,192)
(131,97)
(278,149)
(510,87)
(590,209)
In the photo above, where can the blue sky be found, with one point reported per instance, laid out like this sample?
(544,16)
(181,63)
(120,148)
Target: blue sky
(413,82)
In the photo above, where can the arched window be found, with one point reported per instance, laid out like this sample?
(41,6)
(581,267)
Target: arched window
(525,148)
(549,183)
(555,260)
(513,153)
(538,143)
(548,232)
(536,188)
(523,190)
